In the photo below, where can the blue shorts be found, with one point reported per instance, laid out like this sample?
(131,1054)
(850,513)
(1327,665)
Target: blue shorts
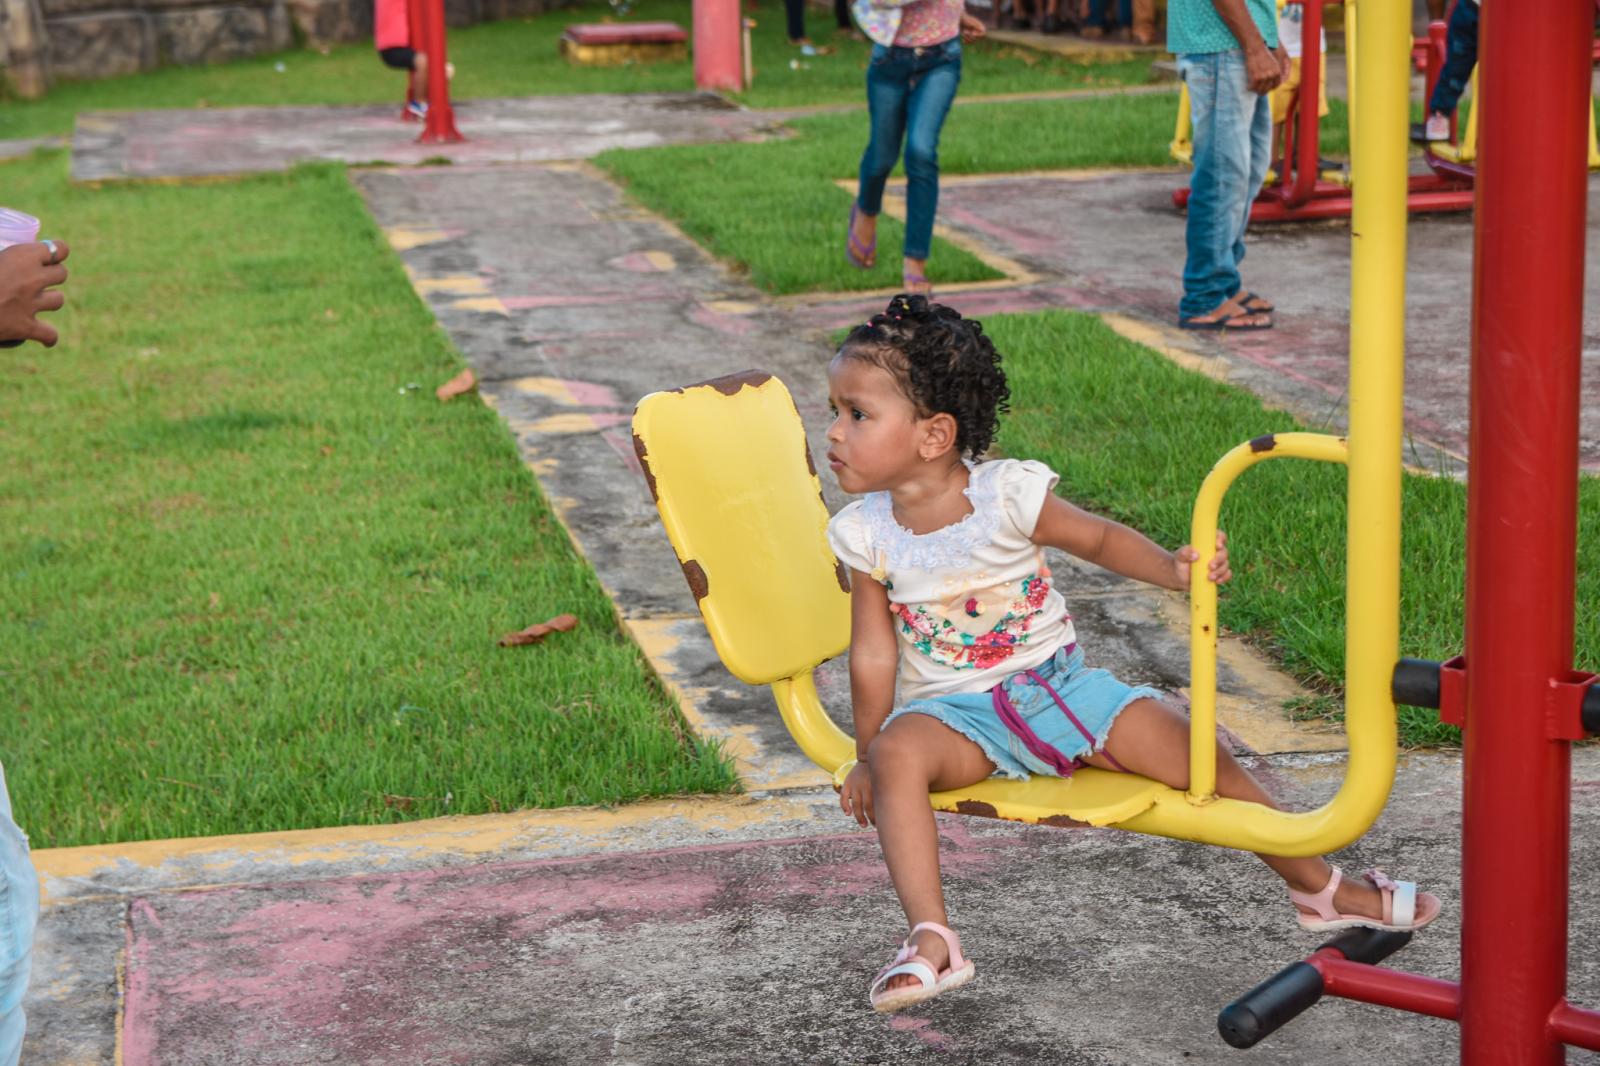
(1044,737)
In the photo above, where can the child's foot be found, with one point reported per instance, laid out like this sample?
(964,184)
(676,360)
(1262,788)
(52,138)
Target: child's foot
(1375,901)
(929,946)
(928,963)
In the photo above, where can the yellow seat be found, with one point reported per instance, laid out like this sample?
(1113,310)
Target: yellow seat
(729,466)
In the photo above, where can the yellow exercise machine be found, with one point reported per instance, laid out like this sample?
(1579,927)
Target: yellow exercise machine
(733,479)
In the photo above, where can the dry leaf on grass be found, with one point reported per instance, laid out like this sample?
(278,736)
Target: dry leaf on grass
(534,634)
(462,382)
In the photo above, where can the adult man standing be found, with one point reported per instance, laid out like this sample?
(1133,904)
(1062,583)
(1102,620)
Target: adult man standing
(28,275)
(1229,57)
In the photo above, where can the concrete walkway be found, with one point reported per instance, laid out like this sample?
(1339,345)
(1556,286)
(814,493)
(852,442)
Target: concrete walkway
(744,930)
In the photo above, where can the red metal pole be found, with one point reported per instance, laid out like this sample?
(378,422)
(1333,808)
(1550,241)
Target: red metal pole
(1533,81)
(1387,988)
(718,47)
(1307,139)
(441,125)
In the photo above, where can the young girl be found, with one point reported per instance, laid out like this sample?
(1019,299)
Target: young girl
(911,83)
(950,592)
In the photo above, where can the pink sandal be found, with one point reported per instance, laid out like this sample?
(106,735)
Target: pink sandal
(861,256)
(907,961)
(1404,908)
(916,284)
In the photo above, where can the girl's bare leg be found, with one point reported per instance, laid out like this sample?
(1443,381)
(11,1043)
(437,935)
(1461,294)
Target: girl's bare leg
(915,755)
(1152,739)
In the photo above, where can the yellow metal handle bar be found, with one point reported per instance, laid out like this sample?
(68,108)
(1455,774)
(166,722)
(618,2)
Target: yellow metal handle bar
(824,743)
(1203,591)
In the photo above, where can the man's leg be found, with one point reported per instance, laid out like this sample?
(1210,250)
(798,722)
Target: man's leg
(1223,111)
(1260,160)
(19,912)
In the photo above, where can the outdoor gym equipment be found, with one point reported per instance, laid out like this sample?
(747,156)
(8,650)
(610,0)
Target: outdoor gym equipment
(734,483)
(1453,159)
(1514,692)
(428,37)
(1298,191)
(740,501)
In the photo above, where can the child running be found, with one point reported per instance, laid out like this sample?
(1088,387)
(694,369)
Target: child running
(950,596)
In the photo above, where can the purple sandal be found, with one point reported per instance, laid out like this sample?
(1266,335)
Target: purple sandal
(916,284)
(861,256)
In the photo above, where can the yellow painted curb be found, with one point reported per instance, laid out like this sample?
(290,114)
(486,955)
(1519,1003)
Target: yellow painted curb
(527,835)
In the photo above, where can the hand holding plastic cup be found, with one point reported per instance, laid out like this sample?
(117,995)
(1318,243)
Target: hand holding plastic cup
(16,227)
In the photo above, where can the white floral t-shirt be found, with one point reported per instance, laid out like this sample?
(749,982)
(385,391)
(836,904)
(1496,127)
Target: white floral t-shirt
(972,602)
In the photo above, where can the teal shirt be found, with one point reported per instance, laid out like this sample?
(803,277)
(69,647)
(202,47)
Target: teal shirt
(1195,26)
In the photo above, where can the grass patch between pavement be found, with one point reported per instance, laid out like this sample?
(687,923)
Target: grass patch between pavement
(1133,436)
(255,572)
(777,211)
(520,57)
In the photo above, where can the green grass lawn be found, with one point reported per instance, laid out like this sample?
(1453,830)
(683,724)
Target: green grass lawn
(1133,436)
(779,213)
(255,572)
(520,58)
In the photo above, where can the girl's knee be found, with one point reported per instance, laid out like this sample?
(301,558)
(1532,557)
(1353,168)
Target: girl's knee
(895,753)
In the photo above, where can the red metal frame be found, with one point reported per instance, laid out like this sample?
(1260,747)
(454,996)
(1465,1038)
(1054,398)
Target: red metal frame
(1298,195)
(1532,176)
(1521,710)
(440,127)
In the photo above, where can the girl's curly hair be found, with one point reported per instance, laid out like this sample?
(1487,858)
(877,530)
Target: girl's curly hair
(941,361)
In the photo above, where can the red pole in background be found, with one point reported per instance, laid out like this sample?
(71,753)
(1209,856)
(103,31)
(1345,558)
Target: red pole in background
(718,58)
(1527,331)
(441,124)
(1307,119)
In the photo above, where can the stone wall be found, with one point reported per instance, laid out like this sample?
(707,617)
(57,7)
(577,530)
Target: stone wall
(45,40)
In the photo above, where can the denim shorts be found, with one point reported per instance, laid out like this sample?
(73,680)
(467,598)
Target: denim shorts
(1046,735)
(19,912)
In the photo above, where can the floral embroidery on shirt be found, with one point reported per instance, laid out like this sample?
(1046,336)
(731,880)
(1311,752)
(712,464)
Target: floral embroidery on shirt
(935,634)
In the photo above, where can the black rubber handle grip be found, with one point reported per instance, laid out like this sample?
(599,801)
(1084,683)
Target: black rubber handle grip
(1416,683)
(1269,1006)
(1275,1002)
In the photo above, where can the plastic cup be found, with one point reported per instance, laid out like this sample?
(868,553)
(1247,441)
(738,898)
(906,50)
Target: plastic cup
(17,227)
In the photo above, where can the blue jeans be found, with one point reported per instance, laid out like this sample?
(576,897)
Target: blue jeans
(909,92)
(19,912)
(1461,55)
(1232,142)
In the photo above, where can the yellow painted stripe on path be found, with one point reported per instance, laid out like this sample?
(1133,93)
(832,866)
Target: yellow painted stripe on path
(525,833)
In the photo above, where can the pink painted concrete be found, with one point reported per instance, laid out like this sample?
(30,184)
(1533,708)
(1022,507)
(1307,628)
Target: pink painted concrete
(376,969)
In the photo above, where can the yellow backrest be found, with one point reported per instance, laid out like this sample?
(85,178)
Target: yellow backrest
(731,472)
